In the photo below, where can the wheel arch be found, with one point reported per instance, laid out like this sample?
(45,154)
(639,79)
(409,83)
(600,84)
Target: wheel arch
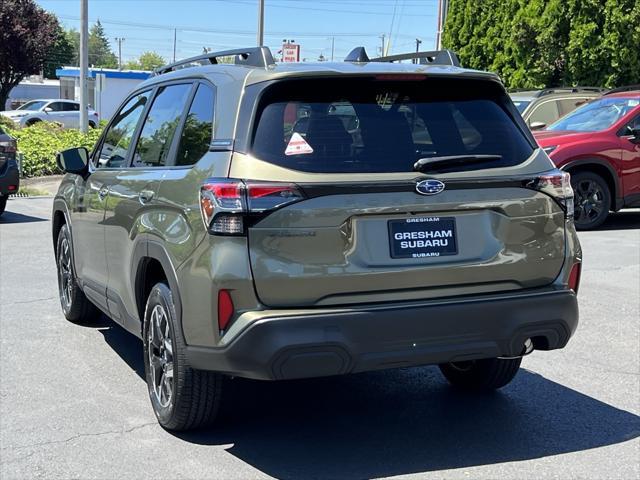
(152,264)
(601,168)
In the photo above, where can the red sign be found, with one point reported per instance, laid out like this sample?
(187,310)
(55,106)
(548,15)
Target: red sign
(290,52)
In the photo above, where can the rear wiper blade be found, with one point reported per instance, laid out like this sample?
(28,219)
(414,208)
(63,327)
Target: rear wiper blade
(429,163)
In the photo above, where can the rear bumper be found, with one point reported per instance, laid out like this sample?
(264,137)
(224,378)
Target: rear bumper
(365,338)
(9,175)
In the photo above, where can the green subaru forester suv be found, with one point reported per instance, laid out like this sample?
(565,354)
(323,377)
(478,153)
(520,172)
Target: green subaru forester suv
(283,221)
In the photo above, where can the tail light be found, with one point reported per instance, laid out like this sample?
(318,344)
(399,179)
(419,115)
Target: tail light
(229,206)
(8,147)
(574,277)
(225,309)
(556,184)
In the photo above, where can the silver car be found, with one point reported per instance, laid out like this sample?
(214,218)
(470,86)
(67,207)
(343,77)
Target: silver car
(65,112)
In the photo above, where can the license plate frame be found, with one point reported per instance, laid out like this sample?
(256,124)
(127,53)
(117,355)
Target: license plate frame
(423,237)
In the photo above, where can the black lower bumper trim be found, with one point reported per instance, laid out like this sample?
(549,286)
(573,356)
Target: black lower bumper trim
(363,339)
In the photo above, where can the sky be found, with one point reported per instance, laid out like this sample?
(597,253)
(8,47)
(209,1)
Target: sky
(148,25)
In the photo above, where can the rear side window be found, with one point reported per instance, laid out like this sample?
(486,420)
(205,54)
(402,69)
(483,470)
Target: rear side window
(152,149)
(364,125)
(198,127)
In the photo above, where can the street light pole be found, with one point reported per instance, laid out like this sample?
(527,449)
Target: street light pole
(260,23)
(84,63)
(119,40)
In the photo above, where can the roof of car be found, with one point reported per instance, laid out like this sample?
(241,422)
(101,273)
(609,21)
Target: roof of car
(252,75)
(629,94)
(53,100)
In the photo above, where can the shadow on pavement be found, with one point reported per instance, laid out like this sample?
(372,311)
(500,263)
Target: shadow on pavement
(397,422)
(12,217)
(623,220)
(126,345)
(408,421)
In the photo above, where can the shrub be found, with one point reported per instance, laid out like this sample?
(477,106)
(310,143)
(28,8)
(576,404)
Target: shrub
(39,144)
(7,123)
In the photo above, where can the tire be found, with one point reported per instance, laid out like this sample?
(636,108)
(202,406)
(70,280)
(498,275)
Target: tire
(75,305)
(182,398)
(592,200)
(3,203)
(481,375)
(92,125)
(30,123)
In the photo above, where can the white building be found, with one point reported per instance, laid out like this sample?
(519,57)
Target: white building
(30,89)
(116,84)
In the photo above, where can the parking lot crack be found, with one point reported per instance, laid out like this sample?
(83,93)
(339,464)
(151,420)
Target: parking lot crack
(29,301)
(79,435)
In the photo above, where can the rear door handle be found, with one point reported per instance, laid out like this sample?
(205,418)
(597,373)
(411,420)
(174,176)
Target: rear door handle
(145,196)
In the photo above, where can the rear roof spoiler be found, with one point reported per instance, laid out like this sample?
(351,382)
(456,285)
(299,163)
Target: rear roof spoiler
(435,57)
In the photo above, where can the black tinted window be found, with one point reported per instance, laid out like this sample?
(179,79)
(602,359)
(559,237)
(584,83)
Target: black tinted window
(382,125)
(160,126)
(57,106)
(198,128)
(118,137)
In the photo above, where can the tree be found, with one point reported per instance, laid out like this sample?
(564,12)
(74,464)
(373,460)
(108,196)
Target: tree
(62,53)
(27,33)
(100,54)
(146,61)
(546,43)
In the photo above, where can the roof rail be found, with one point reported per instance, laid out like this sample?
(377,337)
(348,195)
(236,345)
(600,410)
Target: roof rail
(436,57)
(549,91)
(626,88)
(252,57)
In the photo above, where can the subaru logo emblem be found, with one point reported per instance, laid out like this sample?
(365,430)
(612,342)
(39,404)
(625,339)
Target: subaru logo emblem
(429,187)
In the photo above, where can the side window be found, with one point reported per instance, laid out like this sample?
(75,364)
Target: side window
(570,104)
(56,106)
(546,113)
(160,126)
(117,139)
(198,127)
(72,107)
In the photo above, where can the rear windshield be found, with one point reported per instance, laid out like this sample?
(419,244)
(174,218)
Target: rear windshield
(368,125)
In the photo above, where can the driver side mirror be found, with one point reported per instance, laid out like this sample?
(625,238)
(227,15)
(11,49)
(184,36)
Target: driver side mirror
(74,160)
(537,125)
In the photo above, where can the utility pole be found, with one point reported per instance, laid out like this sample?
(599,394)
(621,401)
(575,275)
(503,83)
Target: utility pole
(443,9)
(84,63)
(175,35)
(119,40)
(333,44)
(418,42)
(260,23)
(382,51)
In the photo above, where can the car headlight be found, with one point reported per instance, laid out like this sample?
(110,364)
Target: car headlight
(550,149)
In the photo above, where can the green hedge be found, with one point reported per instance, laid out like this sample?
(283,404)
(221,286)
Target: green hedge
(39,144)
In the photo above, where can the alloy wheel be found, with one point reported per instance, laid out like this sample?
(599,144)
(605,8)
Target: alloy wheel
(589,201)
(65,274)
(160,352)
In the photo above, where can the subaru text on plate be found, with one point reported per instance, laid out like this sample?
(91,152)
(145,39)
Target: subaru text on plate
(283,221)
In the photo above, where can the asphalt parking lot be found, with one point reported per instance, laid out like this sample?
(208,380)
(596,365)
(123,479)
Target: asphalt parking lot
(73,403)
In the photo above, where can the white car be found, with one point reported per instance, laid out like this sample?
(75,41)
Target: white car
(65,112)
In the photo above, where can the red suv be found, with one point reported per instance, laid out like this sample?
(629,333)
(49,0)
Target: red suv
(599,144)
